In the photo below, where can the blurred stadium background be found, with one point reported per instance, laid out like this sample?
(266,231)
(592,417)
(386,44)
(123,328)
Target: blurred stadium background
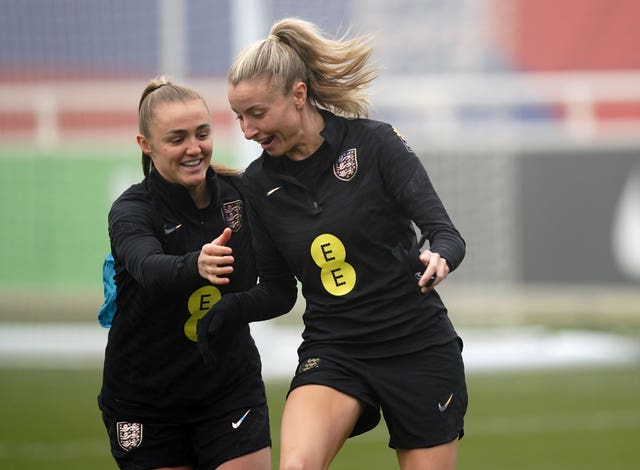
(526,114)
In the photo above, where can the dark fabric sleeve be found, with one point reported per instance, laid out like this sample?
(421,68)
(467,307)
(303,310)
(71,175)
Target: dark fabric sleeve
(135,243)
(274,295)
(406,179)
(276,291)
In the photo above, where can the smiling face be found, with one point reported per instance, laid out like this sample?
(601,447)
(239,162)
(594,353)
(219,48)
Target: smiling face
(270,117)
(180,143)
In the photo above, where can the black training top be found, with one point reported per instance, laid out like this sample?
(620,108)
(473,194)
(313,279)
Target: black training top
(341,222)
(152,367)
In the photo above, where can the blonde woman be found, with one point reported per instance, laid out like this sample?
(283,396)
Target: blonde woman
(334,196)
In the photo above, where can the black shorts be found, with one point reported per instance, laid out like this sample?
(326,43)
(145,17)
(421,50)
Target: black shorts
(202,444)
(423,395)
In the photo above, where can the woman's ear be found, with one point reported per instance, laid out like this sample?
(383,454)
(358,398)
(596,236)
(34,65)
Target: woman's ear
(143,143)
(299,94)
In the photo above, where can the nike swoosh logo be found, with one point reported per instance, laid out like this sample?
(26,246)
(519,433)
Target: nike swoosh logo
(236,424)
(168,230)
(271,191)
(442,408)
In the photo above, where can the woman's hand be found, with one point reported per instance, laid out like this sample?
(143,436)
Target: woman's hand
(436,269)
(215,259)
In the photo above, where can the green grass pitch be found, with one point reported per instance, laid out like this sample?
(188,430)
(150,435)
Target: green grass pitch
(565,419)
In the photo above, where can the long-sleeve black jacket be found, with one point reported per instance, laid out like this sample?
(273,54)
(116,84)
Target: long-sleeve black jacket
(342,221)
(152,366)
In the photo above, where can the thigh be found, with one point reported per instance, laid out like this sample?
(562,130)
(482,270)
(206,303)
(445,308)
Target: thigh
(423,396)
(258,460)
(315,423)
(442,457)
(345,375)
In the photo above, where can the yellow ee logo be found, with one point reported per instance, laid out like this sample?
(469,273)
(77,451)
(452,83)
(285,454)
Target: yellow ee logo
(328,252)
(199,304)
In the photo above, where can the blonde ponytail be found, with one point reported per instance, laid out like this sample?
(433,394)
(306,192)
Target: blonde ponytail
(337,72)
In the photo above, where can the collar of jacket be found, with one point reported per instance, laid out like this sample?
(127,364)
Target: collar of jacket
(176,194)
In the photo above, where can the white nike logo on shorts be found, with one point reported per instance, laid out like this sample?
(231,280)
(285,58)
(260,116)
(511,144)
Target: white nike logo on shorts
(442,408)
(236,424)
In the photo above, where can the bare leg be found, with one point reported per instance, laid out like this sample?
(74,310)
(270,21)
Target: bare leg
(316,422)
(442,457)
(259,460)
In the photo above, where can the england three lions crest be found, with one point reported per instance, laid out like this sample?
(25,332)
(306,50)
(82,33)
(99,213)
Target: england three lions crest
(346,165)
(129,435)
(232,213)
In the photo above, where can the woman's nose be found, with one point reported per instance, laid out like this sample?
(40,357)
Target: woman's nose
(193,147)
(248,130)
